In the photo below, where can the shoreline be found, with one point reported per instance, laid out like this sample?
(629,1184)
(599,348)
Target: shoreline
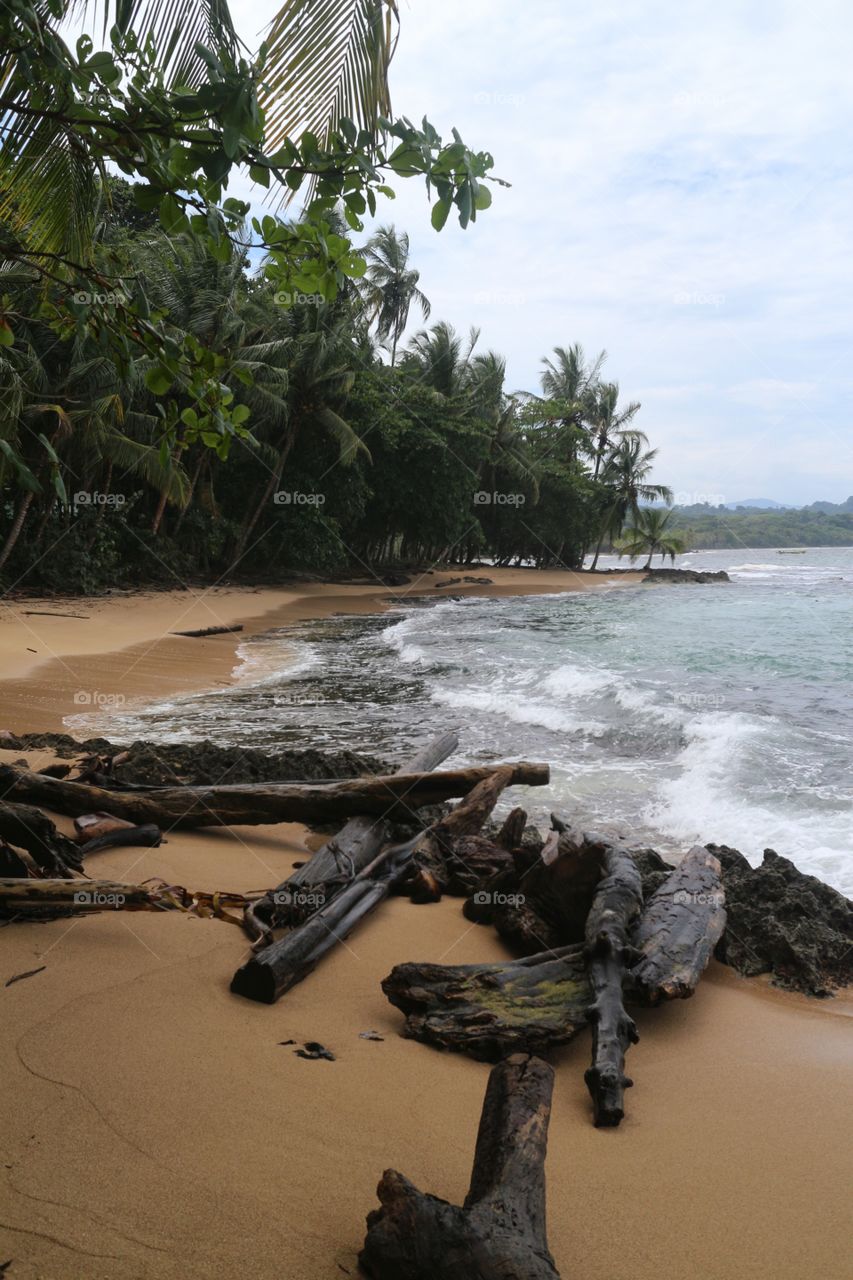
(156,1126)
(57,666)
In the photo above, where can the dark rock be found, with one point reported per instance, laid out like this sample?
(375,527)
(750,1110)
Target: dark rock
(686,575)
(653,870)
(312,1050)
(783,922)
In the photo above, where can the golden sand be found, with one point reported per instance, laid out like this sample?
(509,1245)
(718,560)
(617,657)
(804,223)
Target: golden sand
(154,1126)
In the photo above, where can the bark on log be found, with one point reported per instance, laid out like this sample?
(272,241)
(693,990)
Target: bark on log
(500,1231)
(392,796)
(29,829)
(491,1010)
(679,929)
(279,966)
(147,837)
(20,897)
(357,843)
(614,913)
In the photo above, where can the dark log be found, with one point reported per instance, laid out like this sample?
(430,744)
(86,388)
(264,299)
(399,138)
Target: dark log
(208,631)
(431,871)
(491,1010)
(279,966)
(147,837)
(511,833)
(395,796)
(679,929)
(90,825)
(357,843)
(29,829)
(500,1231)
(612,917)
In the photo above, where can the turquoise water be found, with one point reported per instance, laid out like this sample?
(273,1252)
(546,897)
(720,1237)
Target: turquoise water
(669,714)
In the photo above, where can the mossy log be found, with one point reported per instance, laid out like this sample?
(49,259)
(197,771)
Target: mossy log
(679,929)
(395,796)
(500,1231)
(612,917)
(491,1010)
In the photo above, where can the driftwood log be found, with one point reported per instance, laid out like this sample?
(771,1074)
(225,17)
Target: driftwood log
(29,829)
(679,929)
(491,1010)
(392,796)
(612,917)
(355,845)
(21,898)
(500,1231)
(278,967)
(208,631)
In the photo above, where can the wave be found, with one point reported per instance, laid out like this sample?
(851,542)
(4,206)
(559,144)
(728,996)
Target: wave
(706,802)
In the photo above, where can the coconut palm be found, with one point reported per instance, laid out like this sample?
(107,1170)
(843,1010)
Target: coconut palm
(609,424)
(442,360)
(390,285)
(651,533)
(624,475)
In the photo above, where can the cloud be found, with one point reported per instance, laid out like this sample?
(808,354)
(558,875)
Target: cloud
(681,195)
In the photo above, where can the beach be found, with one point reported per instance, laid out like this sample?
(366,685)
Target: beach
(156,1126)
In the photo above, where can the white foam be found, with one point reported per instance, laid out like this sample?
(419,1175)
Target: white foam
(518,709)
(706,802)
(578,682)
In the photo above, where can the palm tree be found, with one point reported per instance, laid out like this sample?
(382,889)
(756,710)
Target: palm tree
(443,360)
(390,285)
(320,377)
(651,533)
(569,384)
(609,424)
(624,476)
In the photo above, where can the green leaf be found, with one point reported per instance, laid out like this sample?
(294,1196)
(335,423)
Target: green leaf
(158,380)
(440,210)
(7,337)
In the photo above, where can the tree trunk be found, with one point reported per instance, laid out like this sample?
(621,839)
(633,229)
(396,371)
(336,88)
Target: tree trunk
(615,910)
(17,525)
(269,490)
(395,795)
(30,829)
(679,929)
(500,1232)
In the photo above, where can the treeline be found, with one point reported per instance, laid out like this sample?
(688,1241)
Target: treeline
(361,452)
(722,529)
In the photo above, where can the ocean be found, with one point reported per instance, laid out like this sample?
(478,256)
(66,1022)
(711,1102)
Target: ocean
(669,714)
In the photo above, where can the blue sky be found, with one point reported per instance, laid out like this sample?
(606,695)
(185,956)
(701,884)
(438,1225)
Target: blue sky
(682,196)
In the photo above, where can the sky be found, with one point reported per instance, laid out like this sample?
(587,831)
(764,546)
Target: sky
(681,197)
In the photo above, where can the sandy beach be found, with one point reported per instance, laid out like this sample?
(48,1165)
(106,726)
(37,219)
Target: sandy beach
(155,1126)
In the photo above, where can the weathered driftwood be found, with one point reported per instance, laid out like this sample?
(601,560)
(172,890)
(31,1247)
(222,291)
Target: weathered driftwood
(279,966)
(357,843)
(20,898)
(500,1231)
(679,929)
(491,1010)
(282,964)
(208,631)
(431,871)
(147,837)
(393,796)
(26,827)
(612,917)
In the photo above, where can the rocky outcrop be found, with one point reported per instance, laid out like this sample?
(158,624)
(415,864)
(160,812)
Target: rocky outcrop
(783,922)
(686,575)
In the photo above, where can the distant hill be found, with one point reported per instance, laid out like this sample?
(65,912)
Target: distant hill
(708,528)
(759,504)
